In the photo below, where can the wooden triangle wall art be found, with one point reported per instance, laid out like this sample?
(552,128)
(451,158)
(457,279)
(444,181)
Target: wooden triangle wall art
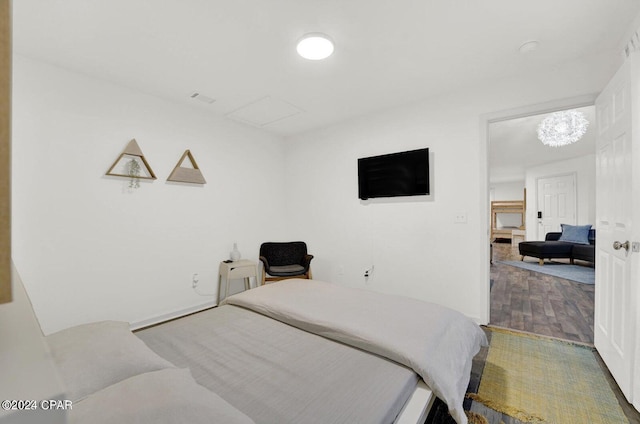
(121,167)
(187,175)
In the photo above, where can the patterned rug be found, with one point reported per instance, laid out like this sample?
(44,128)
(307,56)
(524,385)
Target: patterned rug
(534,379)
(577,273)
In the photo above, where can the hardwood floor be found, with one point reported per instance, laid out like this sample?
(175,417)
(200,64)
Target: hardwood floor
(529,301)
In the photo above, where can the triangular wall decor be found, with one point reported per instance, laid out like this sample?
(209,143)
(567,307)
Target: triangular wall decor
(187,175)
(131,152)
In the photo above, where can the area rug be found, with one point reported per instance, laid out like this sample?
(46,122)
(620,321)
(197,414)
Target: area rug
(541,380)
(577,273)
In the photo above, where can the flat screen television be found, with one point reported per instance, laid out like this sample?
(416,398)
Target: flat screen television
(394,174)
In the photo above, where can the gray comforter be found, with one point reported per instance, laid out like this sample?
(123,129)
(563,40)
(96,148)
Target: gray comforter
(276,374)
(438,343)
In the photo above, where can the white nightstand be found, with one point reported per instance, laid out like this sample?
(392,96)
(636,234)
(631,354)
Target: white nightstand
(242,268)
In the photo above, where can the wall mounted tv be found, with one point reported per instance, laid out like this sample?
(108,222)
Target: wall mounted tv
(395,174)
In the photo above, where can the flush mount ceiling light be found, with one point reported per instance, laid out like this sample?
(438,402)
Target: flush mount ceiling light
(315,46)
(562,128)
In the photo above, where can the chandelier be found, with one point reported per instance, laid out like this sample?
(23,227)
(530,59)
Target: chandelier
(562,128)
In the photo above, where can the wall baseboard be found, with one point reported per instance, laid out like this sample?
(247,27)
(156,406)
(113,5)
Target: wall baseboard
(171,315)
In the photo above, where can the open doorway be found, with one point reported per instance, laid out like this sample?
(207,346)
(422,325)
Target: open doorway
(546,186)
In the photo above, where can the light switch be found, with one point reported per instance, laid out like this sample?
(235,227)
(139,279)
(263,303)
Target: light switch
(460,218)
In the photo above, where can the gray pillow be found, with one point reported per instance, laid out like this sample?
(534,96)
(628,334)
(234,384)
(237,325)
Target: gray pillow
(93,356)
(167,396)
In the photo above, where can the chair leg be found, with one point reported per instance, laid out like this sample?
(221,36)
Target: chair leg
(522,257)
(264,277)
(309,274)
(541,262)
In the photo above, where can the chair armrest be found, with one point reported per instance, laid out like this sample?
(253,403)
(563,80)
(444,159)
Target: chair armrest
(553,236)
(306,261)
(265,262)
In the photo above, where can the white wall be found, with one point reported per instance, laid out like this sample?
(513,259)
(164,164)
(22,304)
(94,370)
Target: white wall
(414,244)
(86,247)
(508,191)
(584,169)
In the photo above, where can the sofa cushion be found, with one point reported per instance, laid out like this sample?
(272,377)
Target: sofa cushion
(578,234)
(584,252)
(545,249)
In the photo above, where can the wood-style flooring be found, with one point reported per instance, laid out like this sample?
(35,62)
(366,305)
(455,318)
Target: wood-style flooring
(538,303)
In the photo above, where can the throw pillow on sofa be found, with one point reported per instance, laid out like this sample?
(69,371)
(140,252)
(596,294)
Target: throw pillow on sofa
(578,234)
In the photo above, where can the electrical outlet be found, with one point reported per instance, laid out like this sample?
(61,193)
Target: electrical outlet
(195,280)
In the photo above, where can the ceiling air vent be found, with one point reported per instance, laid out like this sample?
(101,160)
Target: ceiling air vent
(264,111)
(202,98)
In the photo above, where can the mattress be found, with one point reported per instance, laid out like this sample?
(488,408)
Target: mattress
(275,373)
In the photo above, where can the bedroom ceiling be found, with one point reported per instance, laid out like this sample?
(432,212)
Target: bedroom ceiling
(242,52)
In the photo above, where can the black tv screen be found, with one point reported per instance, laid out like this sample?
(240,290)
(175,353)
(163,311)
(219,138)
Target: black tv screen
(395,174)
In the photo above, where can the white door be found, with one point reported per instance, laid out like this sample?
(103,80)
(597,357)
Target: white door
(614,326)
(556,203)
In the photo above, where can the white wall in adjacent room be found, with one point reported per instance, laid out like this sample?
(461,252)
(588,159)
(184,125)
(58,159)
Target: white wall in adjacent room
(413,244)
(90,249)
(507,191)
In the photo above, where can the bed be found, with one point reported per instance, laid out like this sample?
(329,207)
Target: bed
(295,351)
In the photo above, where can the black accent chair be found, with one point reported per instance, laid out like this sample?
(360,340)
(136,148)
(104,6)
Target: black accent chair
(283,260)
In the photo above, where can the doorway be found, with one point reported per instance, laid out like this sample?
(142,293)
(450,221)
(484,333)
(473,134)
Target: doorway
(560,188)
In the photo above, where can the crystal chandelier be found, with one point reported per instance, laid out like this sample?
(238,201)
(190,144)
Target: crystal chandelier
(562,128)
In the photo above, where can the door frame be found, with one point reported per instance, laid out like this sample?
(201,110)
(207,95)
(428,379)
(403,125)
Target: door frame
(485,227)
